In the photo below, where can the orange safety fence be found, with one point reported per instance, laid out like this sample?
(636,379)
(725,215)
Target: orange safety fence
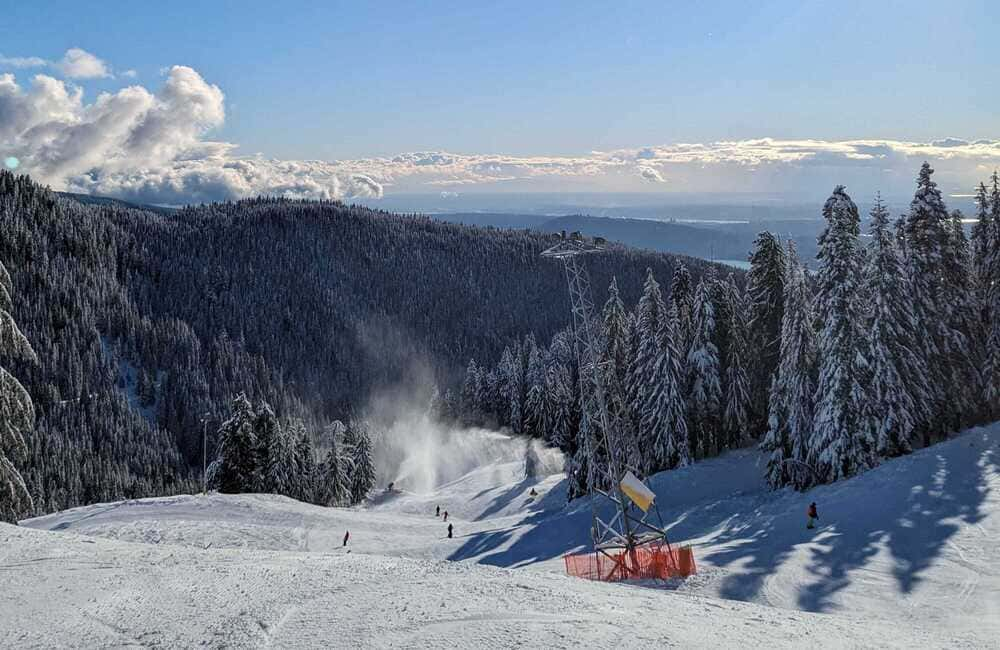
(653,561)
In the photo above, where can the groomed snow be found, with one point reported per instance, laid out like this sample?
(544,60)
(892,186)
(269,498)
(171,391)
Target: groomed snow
(905,556)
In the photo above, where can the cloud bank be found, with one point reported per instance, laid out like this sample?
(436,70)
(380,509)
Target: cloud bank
(155,147)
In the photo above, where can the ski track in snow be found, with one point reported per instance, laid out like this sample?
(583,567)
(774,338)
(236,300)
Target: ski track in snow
(905,556)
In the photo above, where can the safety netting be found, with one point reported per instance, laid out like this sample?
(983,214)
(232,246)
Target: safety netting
(647,562)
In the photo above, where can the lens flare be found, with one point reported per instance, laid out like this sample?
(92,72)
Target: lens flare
(10,162)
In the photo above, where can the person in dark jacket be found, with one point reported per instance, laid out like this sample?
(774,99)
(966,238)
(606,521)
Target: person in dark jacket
(437,511)
(347,536)
(812,515)
(446,515)
(449,531)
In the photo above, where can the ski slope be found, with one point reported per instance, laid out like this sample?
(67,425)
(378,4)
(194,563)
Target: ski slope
(905,555)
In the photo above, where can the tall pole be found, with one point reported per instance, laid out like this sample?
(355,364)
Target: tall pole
(204,455)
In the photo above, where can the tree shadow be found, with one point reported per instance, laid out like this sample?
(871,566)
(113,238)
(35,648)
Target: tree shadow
(951,487)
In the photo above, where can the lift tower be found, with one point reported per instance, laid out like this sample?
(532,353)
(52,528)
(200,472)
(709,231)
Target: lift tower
(609,450)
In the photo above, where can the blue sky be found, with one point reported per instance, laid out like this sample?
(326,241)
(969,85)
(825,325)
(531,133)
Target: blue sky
(345,81)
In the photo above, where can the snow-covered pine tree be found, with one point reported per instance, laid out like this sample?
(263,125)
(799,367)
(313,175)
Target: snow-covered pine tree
(642,373)
(615,356)
(967,346)
(505,386)
(363,474)
(898,392)
(794,386)
(983,245)
(559,387)
(765,295)
(270,464)
(926,235)
(535,402)
(682,296)
(237,462)
(616,335)
(704,384)
(305,463)
(665,423)
(842,442)
(334,487)
(471,408)
(17,413)
(736,417)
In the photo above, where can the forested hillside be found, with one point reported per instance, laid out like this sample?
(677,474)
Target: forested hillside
(145,324)
(891,345)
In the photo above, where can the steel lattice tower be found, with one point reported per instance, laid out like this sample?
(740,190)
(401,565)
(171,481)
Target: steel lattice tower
(627,528)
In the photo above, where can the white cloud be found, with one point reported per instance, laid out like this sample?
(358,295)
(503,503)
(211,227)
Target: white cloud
(130,74)
(650,174)
(80,64)
(22,61)
(154,146)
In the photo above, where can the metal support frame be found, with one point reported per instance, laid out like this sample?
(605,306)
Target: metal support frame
(628,528)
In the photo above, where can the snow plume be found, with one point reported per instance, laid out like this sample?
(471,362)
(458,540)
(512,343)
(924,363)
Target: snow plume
(420,453)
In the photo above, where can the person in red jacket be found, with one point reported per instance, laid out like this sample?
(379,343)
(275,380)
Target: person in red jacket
(812,515)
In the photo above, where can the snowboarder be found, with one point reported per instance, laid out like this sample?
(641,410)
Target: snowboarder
(389,489)
(812,515)
(446,515)
(449,531)
(347,536)
(437,511)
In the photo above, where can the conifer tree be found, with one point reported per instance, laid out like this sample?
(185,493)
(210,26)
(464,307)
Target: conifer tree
(704,384)
(272,466)
(559,386)
(615,357)
(793,390)
(471,408)
(506,386)
(765,295)
(736,417)
(665,422)
(983,245)
(616,335)
(335,489)
(17,413)
(682,296)
(535,402)
(898,392)
(305,463)
(842,442)
(649,316)
(926,235)
(237,464)
(363,474)
(966,336)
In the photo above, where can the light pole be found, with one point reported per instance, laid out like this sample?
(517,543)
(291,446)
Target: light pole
(204,454)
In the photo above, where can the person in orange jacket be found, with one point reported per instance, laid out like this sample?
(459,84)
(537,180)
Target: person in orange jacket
(812,515)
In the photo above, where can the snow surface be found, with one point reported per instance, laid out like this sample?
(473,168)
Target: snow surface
(905,556)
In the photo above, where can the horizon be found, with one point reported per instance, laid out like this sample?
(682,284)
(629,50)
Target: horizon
(364,103)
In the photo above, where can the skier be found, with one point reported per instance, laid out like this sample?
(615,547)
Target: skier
(437,511)
(389,489)
(812,515)
(533,493)
(446,515)
(449,531)
(347,536)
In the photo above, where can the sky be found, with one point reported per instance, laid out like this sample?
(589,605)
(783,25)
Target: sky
(169,102)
